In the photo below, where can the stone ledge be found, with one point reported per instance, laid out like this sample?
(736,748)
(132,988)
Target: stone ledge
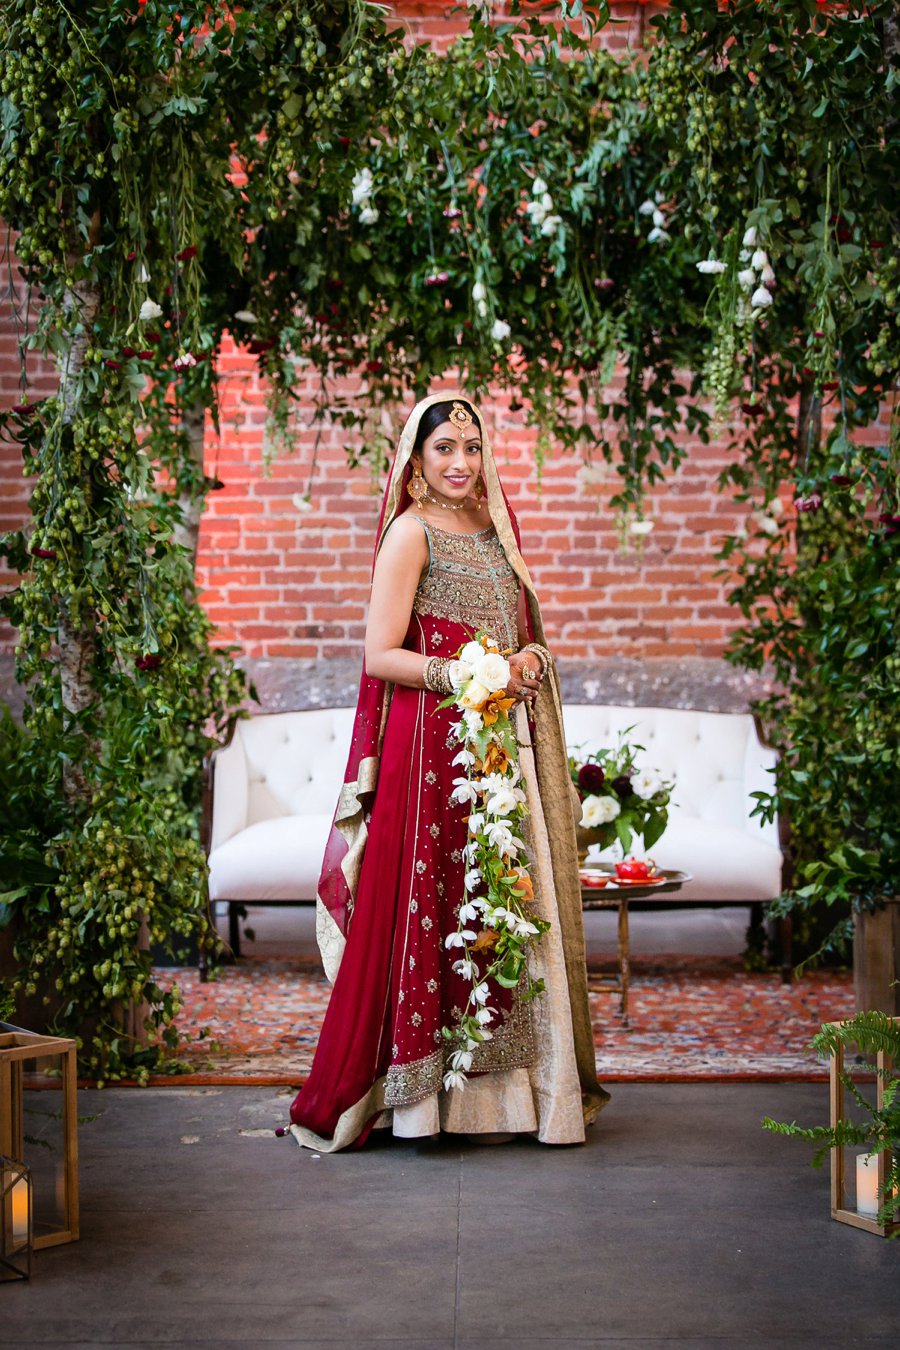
(708,684)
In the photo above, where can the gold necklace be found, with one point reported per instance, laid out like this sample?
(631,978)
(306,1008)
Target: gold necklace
(445,506)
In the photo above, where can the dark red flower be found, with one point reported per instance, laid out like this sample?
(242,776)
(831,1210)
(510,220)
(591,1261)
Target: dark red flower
(152,661)
(812,503)
(831,384)
(805,370)
(622,786)
(374,367)
(24,409)
(437,279)
(42,552)
(753,409)
(334,284)
(130,257)
(147,356)
(256,346)
(153,337)
(876,243)
(887,518)
(345,143)
(604,283)
(844,236)
(187,253)
(322,319)
(128,351)
(591,777)
(452,212)
(113,365)
(168,289)
(818,333)
(841,479)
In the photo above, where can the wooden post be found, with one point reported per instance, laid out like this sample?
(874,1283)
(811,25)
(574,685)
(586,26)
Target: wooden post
(876,960)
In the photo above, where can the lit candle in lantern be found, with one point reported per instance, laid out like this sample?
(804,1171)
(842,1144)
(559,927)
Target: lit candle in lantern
(19,1199)
(867,1184)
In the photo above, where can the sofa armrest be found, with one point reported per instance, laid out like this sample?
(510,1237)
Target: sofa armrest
(225,791)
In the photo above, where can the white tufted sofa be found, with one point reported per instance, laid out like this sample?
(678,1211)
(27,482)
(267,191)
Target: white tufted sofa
(273,787)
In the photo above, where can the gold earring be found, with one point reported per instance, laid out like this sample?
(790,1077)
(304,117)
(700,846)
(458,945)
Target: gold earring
(478,490)
(417,487)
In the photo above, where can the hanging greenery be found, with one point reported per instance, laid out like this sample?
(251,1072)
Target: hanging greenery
(783,152)
(119,126)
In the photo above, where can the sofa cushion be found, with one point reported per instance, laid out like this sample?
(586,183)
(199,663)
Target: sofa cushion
(277,859)
(725,863)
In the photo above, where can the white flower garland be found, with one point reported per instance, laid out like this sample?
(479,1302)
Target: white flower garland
(493,916)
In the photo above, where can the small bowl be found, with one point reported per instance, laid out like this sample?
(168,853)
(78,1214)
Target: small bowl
(593,878)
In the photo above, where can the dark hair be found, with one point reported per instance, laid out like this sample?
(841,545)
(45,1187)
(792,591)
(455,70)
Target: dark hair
(435,416)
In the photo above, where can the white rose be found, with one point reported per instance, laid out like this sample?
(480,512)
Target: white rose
(710,266)
(500,330)
(767,275)
(475,696)
(646,784)
(747,278)
(760,298)
(760,259)
(482,307)
(479,292)
(550,226)
(368,215)
(647,207)
(659,217)
(493,670)
(458,672)
(245,316)
(546,201)
(658,236)
(472,653)
(149,310)
(749,239)
(599,811)
(538,187)
(535,212)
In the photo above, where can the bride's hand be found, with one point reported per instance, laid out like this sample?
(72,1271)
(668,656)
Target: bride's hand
(526,675)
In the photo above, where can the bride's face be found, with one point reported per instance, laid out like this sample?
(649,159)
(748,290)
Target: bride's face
(451,460)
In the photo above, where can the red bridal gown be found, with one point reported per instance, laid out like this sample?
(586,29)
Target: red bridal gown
(380,1056)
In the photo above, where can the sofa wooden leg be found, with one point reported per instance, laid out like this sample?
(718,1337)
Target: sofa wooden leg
(234,929)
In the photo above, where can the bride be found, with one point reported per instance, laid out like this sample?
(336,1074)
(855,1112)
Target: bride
(447,565)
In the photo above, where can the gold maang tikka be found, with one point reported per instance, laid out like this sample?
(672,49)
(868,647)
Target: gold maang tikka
(461,417)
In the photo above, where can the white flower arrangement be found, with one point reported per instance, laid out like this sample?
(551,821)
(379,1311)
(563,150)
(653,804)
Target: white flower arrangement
(495,930)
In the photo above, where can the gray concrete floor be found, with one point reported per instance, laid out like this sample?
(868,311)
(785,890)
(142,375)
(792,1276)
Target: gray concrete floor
(680,1223)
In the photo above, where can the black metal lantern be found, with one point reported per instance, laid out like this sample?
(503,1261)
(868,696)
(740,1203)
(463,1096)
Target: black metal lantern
(16,1220)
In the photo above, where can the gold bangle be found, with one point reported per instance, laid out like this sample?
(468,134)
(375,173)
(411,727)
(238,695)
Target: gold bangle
(542,653)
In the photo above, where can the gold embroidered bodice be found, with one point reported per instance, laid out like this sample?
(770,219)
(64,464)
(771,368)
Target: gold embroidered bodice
(470,581)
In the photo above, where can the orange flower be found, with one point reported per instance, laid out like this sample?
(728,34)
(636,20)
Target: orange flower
(496,760)
(486,940)
(523,889)
(497,703)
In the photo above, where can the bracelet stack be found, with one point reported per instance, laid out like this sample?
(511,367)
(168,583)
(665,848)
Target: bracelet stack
(436,675)
(545,658)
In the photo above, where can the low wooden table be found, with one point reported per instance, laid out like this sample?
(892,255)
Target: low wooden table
(615,895)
